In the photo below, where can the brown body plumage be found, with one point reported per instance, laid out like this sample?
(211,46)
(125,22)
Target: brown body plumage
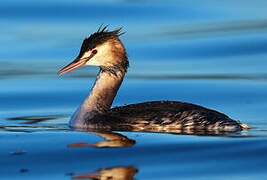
(104,49)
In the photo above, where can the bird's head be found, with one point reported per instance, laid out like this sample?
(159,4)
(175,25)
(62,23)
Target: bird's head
(103,49)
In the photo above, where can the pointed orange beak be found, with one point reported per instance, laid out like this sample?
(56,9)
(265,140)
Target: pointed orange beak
(73,65)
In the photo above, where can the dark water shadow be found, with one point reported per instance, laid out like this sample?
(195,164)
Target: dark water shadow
(36,119)
(214,29)
(35,124)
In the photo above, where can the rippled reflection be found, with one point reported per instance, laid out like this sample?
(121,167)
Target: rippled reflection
(112,140)
(116,173)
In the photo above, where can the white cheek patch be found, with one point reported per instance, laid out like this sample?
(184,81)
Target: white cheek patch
(105,53)
(86,54)
(92,61)
(102,57)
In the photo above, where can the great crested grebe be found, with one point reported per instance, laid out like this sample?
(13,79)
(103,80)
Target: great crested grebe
(104,49)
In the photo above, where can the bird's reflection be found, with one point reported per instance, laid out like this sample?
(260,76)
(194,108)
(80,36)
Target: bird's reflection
(116,173)
(112,140)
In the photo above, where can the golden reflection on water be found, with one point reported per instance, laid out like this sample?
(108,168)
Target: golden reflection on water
(116,173)
(112,140)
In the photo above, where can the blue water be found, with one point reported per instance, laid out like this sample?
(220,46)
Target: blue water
(209,53)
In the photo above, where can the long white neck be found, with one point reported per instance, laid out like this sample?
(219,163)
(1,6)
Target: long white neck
(100,98)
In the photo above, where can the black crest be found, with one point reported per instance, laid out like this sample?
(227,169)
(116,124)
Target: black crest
(102,35)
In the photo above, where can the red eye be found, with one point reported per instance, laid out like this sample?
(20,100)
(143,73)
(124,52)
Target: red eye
(94,51)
